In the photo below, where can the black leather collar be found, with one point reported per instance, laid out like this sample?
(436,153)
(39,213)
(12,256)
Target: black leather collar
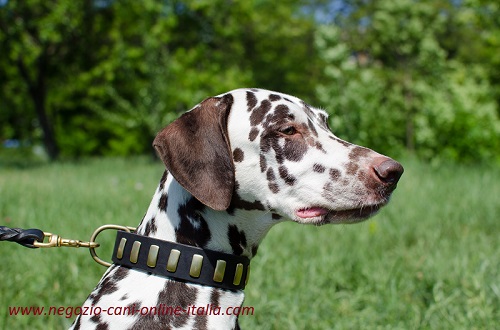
(181,262)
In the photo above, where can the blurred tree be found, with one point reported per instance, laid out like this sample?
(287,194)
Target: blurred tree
(394,85)
(201,48)
(478,42)
(45,45)
(104,76)
(30,50)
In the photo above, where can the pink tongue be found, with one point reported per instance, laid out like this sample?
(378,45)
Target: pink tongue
(311,212)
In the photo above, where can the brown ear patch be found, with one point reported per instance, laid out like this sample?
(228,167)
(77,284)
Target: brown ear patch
(196,150)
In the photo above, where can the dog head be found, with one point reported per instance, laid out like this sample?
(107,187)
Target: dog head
(276,153)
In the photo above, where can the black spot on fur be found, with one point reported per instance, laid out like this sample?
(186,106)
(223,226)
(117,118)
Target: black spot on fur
(102,326)
(259,113)
(274,187)
(287,177)
(163,179)
(283,111)
(271,178)
(96,318)
(237,239)
(163,202)
(334,174)
(270,175)
(319,146)
(108,284)
(251,101)
(214,298)
(238,155)
(150,227)
(238,203)
(312,127)
(77,323)
(318,168)
(193,228)
(278,150)
(265,145)
(120,273)
(254,132)
(263,163)
(279,116)
(274,97)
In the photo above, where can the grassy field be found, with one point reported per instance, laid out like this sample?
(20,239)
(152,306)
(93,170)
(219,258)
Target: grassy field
(430,260)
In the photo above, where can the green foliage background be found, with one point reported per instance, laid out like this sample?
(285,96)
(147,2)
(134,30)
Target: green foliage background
(102,77)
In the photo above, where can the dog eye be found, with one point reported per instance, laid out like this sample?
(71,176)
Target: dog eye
(289,130)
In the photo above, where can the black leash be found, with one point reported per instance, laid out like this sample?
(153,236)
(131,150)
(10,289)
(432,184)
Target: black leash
(25,237)
(34,238)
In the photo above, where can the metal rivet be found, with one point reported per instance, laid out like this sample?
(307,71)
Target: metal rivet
(134,253)
(153,255)
(238,274)
(220,269)
(248,275)
(173,260)
(195,269)
(121,247)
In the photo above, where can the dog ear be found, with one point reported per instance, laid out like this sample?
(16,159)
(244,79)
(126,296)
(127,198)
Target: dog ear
(196,150)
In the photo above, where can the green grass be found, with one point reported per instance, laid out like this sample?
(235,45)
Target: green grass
(430,260)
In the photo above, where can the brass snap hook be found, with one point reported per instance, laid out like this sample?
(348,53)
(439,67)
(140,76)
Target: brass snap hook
(96,233)
(55,240)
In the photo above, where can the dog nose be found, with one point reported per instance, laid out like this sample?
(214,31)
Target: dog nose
(389,171)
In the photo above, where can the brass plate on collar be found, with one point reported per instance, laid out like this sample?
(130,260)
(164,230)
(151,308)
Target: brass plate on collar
(173,260)
(153,255)
(134,253)
(220,269)
(238,274)
(121,247)
(196,263)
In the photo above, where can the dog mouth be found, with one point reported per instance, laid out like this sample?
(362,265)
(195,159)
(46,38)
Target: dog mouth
(320,215)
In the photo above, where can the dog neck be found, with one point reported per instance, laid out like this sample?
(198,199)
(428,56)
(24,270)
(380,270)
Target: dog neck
(175,215)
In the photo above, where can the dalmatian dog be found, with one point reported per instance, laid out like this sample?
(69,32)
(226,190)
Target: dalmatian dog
(236,165)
